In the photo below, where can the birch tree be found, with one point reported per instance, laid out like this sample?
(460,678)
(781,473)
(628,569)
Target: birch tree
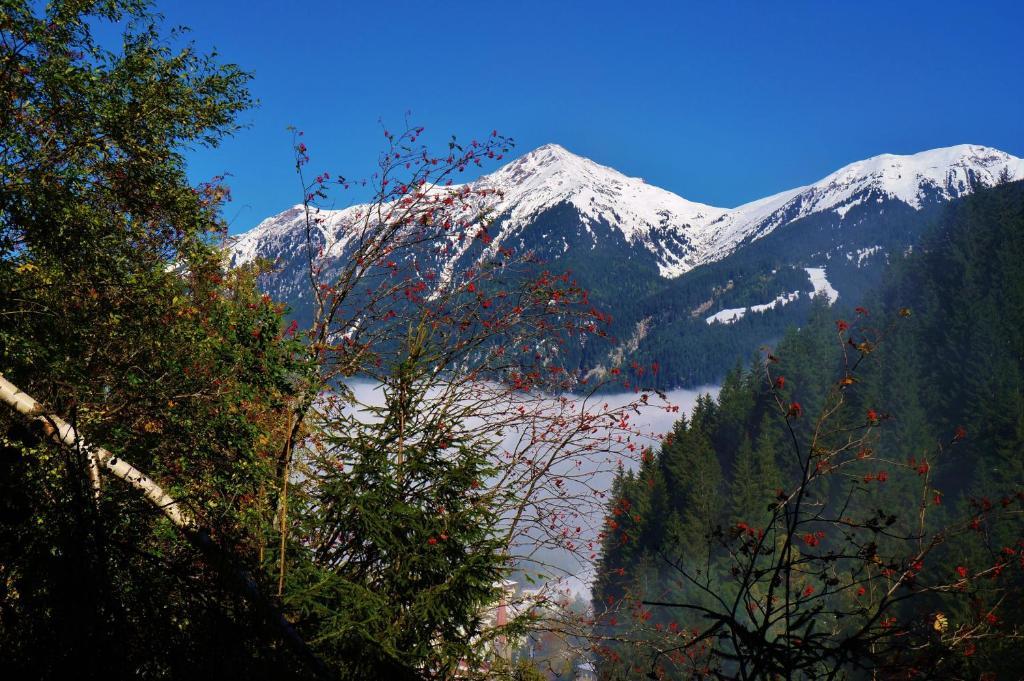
(130,543)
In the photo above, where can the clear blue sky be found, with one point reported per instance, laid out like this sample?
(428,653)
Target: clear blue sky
(719,101)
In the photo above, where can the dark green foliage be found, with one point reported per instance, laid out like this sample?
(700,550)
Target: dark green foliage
(116,312)
(955,360)
(405,557)
(694,353)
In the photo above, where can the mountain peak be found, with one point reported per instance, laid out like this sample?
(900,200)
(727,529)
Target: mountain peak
(551,175)
(551,149)
(682,234)
(930,176)
(974,163)
(551,159)
(939,174)
(950,155)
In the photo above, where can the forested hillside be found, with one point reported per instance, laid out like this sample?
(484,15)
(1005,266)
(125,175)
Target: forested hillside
(376,442)
(909,411)
(690,286)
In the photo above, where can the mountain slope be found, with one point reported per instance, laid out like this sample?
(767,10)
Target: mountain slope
(948,382)
(707,284)
(663,223)
(917,180)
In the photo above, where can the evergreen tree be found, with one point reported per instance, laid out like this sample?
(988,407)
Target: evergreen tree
(745,488)
(755,480)
(940,398)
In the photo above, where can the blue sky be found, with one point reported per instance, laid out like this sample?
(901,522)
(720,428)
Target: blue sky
(719,101)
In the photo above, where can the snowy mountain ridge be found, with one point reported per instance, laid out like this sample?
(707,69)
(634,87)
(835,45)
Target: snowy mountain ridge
(679,233)
(940,174)
(551,175)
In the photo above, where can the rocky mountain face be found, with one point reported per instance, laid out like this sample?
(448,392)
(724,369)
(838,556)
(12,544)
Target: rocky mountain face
(693,286)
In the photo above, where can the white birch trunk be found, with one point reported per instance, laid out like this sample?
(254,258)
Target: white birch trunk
(62,432)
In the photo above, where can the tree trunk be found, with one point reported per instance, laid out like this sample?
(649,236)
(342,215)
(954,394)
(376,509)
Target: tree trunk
(61,432)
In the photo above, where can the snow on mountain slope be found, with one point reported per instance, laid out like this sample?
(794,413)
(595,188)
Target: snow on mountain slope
(821,284)
(551,175)
(681,234)
(281,233)
(929,176)
(649,217)
(734,314)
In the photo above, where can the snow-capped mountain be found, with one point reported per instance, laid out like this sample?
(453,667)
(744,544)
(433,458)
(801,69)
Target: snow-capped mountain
(666,225)
(928,177)
(648,217)
(680,234)
(672,266)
